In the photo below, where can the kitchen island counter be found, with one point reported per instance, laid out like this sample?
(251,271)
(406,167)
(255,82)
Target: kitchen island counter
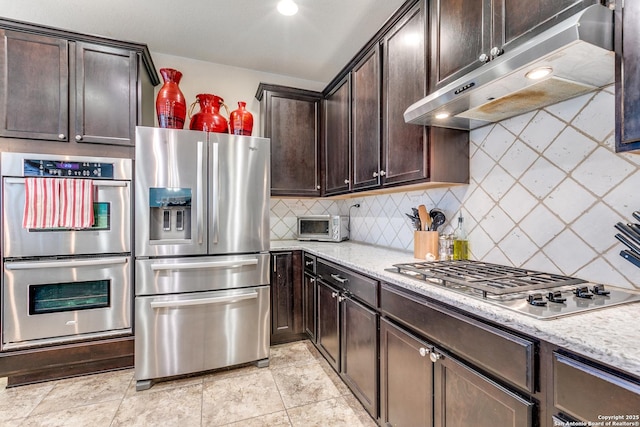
(607,335)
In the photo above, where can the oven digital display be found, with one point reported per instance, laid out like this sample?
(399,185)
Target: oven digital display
(70,166)
(71,296)
(67,169)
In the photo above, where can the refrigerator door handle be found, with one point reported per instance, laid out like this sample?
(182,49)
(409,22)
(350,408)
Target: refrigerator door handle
(199,195)
(215,192)
(204,301)
(211,264)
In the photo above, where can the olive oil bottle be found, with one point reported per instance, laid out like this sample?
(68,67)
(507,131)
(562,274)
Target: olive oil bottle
(460,241)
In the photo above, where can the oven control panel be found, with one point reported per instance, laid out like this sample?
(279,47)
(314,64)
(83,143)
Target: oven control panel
(67,169)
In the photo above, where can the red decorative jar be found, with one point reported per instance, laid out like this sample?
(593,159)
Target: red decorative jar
(171,106)
(209,118)
(241,120)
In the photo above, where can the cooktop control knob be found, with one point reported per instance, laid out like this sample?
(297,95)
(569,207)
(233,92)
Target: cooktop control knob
(536,299)
(599,290)
(583,292)
(556,296)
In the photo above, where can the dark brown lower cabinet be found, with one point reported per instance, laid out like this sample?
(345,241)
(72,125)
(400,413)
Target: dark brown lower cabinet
(347,336)
(406,379)
(309,305)
(421,385)
(286,297)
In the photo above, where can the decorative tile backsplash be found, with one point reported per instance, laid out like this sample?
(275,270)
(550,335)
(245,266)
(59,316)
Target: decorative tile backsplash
(546,189)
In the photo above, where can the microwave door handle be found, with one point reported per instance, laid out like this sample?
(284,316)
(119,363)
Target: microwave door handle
(215,192)
(200,265)
(203,301)
(199,193)
(36,265)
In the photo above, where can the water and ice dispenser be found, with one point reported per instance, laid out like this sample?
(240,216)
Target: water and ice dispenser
(170,213)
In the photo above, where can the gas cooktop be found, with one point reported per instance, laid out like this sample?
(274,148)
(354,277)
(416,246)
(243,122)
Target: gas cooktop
(534,293)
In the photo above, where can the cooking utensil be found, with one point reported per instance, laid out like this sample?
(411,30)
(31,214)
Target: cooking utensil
(628,243)
(425,218)
(629,232)
(636,215)
(631,257)
(415,221)
(438,218)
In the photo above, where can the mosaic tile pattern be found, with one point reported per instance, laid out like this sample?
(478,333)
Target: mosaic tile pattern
(546,189)
(299,388)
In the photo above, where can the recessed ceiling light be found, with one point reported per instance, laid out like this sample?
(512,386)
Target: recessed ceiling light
(287,7)
(441,116)
(538,73)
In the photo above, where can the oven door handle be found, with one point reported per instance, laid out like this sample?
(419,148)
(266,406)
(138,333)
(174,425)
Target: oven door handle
(96,183)
(210,264)
(36,265)
(204,301)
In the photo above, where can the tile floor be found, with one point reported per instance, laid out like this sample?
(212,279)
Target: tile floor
(299,388)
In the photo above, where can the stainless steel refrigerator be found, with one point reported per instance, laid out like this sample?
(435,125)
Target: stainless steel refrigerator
(202,252)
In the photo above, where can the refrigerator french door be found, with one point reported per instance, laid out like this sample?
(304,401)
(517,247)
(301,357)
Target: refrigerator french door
(201,244)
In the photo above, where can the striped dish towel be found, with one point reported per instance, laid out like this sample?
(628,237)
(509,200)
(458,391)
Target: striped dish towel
(76,203)
(55,202)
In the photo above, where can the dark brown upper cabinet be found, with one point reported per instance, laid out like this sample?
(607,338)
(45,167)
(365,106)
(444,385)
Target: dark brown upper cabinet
(60,86)
(291,118)
(465,34)
(627,46)
(337,142)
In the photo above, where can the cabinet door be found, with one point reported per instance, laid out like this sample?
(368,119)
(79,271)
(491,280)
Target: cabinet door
(337,135)
(286,297)
(34,86)
(309,305)
(106,94)
(291,121)
(406,379)
(460,32)
(365,116)
(359,357)
(464,397)
(404,73)
(328,332)
(627,45)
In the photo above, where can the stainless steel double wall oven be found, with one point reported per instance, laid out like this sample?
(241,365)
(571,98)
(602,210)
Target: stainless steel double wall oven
(66,284)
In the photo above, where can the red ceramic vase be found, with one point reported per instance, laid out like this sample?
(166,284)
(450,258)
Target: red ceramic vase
(209,118)
(241,120)
(171,106)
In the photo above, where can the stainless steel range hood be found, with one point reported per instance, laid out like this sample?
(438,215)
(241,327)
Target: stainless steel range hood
(579,50)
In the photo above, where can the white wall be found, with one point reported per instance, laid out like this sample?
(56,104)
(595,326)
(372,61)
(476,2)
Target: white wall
(231,83)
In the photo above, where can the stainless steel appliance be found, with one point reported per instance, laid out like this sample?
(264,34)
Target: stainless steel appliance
(63,284)
(578,51)
(202,252)
(324,228)
(534,293)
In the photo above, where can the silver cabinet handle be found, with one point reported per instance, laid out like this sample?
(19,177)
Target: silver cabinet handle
(78,137)
(339,279)
(317,187)
(313,280)
(424,351)
(61,136)
(36,265)
(203,301)
(435,356)
(375,174)
(210,264)
(483,58)
(334,294)
(495,51)
(346,181)
(382,173)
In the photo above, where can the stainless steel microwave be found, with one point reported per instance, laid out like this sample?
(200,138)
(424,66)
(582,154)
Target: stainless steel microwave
(324,228)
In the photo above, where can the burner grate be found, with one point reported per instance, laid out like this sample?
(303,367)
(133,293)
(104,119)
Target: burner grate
(486,277)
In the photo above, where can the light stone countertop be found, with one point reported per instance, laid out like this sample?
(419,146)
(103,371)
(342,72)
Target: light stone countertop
(609,335)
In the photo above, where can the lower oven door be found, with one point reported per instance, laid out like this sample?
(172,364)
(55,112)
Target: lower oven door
(53,301)
(186,333)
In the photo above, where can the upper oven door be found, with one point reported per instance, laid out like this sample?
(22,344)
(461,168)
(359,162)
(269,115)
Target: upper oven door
(111,232)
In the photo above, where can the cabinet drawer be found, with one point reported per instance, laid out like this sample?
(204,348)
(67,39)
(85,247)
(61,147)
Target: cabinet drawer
(587,393)
(309,263)
(362,287)
(496,351)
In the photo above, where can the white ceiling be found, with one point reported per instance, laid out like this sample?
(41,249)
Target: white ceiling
(314,45)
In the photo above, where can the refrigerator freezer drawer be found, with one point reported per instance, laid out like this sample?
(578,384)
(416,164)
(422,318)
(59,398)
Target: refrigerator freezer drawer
(188,333)
(194,274)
